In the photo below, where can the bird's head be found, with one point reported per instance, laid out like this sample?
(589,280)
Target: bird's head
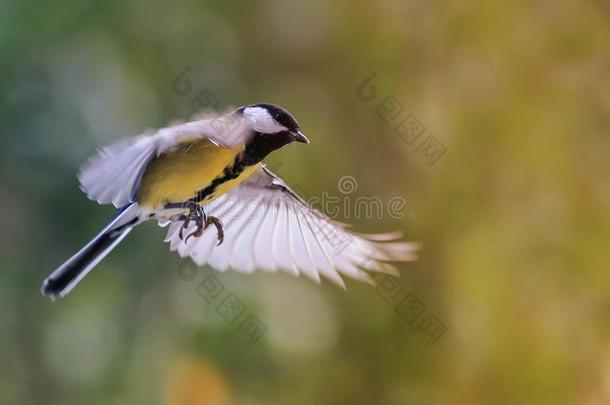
(271,121)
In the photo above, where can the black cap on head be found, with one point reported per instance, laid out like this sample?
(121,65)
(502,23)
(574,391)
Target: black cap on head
(280,115)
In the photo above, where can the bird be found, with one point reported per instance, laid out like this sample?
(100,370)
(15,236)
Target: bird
(210,171)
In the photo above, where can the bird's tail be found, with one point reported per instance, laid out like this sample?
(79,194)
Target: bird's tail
(65,278)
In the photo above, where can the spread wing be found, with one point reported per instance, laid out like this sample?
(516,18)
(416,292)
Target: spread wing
(113,175)
(268,226)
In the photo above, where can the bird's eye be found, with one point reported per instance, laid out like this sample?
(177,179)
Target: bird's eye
(278,118)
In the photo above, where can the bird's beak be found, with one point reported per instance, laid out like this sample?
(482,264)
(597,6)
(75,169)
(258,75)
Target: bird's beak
(298,136)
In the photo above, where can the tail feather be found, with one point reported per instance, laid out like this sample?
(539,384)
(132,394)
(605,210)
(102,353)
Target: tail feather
(68,275)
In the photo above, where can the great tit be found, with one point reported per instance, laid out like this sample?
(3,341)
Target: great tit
(209,172)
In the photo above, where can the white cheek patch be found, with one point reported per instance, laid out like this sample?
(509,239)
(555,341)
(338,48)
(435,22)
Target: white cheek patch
(262,121)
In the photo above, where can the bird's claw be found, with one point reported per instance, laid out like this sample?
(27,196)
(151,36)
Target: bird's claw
(219,229)
(198,231)
(202,221)
(184,226)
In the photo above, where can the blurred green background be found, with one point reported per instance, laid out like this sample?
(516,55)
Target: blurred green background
(513,217)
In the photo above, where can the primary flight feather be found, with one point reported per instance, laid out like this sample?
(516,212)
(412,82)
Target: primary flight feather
(210,172)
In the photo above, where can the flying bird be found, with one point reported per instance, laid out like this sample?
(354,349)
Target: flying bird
(205,179)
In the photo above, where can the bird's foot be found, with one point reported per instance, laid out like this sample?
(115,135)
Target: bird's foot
(195,213)
(202,222)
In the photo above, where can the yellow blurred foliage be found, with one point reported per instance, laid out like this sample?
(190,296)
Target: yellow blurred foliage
(191,381)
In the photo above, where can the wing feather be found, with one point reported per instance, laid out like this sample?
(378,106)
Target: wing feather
(113,175)
(270,227)
(304,256)
(281,241)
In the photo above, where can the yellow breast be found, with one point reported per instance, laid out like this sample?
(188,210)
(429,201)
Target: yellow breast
(177,176)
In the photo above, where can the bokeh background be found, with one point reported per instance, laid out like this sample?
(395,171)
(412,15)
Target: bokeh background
(513,217)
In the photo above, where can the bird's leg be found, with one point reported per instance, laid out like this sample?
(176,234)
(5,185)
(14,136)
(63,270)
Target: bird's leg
(219,229)
(196,214)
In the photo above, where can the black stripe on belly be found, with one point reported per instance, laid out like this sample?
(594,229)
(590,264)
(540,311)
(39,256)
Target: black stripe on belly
(229,173)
